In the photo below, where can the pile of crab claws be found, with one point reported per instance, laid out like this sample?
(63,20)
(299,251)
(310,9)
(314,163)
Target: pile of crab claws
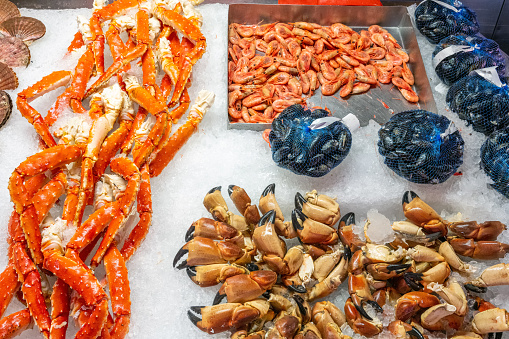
(348,219)
(268,190)
(194,314)
(299,201)
(218,298)
(296,215)
(179,256)
(408,196)
(297,288)
(476,289)
(414,332)
(190,233)
(268,217)
(412,280)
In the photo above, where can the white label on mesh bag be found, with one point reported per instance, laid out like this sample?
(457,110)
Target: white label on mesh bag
(443,4)
(448,51)
(490,74)
(349,120)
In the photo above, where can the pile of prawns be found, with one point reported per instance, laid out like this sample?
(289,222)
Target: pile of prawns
(74,161)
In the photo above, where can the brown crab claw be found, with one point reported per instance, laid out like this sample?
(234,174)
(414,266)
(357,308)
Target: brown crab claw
(182,252)
(476,289)
(362,312)
(268,217)
(230,189)
(412,280)
(300,303)
(348,219)
(194,314)
(408,196)
(414,332)
(375,305)
(296,216)
(269,189)
(299,201)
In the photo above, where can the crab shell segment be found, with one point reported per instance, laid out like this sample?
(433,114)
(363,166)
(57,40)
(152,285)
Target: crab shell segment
(492,320)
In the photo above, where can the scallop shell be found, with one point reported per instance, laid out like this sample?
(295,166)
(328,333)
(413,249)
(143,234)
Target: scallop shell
(8,10)
(5,107)
(8,79)
(14,52)
(23,27)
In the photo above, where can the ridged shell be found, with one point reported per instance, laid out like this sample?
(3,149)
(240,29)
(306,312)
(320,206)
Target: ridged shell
(8,79)
(14,52)
(8,10)
(5,107)
(23,27)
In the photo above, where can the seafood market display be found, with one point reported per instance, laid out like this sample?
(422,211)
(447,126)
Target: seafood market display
(306,144)
(407,285)
(101,157)
(421,146)
(273,66)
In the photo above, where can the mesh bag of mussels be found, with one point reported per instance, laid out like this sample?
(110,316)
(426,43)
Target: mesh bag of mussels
(306,151)
(439,19)
(479,101)
(421,146)
(495,160)
(456,56)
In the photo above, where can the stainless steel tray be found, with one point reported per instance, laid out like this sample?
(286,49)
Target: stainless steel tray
(378,104)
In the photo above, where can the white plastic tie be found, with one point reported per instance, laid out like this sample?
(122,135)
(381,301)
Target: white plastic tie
(349,120)
(451,50)
(450,130)
(443,4)
(490,74)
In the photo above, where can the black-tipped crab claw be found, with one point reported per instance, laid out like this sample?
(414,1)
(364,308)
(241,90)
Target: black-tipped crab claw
(311,231)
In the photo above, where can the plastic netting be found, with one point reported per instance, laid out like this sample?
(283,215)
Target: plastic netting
(436,21)
(421,146)
(481,103)
(495,160)
(305,151)
(484,53)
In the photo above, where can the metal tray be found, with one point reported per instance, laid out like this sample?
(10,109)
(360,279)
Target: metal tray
(378,104)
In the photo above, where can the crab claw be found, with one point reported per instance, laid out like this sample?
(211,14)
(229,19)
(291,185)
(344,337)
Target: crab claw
(218,298)
(434,236)
(300,303)
(179,256)
(268,217)
(191,271)
(194,314)
(230,190)
(412,280)
(296,215)
(375,305)
(414,332)
(297,288)
(348,219)
(362,312)
(476,289)
(215,204)
(399,268)
(348,253)
(190,233)
(299,201)
(268,190)
(408,196)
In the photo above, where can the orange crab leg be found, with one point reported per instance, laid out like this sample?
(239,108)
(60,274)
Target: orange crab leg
(82,74)
(185,72)
(98,43)
(116,273)
(177,140)
(45,85)
(178,112)
(31,287)
(130,172)
(115,8)
(138,121)
(15,323)
(144,209)
(60,309)
(46,197)
(10,284)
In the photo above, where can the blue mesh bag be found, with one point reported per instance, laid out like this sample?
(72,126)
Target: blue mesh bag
(495,160)
(305,151)
(421,146)
(458,55)
(480,102)
(439,19)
